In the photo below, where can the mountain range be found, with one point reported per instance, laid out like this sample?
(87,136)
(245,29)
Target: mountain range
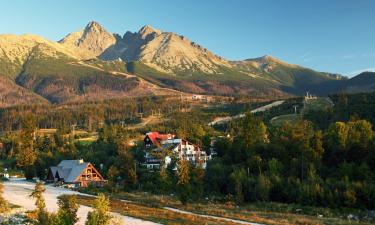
(94,64)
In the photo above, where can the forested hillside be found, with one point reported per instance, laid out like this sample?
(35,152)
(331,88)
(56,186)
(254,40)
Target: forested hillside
(304,162)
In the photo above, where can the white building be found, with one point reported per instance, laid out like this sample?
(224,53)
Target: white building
(181,148)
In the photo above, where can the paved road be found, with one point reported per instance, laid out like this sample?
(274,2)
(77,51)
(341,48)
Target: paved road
(17,191)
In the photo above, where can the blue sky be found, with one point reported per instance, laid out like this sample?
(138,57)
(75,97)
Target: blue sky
(327,35)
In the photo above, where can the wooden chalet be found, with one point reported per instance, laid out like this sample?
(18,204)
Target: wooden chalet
(76,173)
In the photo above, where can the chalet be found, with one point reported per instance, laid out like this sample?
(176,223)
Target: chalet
(154,138)
(196,97)
(310,97)
(76,173)
(181,148)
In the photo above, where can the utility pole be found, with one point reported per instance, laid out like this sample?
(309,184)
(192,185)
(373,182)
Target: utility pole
(73,129)
(295,109)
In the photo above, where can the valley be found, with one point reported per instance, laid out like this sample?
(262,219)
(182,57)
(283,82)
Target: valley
(147,126)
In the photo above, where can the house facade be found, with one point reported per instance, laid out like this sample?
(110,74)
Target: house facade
(75,173)
(180,148)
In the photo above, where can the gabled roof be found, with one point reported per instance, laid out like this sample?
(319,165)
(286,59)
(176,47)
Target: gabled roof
(69,170)
(155,137)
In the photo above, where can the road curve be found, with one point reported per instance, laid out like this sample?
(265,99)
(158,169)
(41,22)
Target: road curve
(17,191)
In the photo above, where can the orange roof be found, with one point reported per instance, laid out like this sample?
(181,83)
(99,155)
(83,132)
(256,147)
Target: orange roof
(156,137)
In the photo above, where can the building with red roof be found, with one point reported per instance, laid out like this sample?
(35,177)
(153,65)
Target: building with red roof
(181,148)
(154,138)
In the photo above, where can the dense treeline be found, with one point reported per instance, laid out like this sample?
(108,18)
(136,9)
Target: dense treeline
(295,163)
(346,107)
(330,164)
(89,115)
(292,163)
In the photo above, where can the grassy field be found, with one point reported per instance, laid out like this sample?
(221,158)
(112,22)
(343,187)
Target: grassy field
(150,207)
(154,214)
(313,104)
(289,118)
(316,104)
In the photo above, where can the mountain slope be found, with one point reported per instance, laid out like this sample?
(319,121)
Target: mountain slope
(176,62)
(364,82)
(290,78)
(15,50)
(90,42)
(165,51)
(93,64)
(11,94)
(33,70)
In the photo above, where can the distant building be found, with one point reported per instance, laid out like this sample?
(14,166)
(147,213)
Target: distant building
(76,173)
(309,96)
(196,97)
(181,148)
(154,138)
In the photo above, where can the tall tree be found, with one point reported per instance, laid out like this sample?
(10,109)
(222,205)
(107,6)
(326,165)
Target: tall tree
(183,180)
(253,131)
(26,155)
(100,215)
(42,214)
(67,213)
(3,203)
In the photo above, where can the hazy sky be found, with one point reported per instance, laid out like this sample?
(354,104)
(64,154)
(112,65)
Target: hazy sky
(326,35)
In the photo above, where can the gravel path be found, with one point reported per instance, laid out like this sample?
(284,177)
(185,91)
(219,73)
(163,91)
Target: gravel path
(213,217)
(221,120)
(17,191)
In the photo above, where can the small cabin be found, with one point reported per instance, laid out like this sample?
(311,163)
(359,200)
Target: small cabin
(76,173)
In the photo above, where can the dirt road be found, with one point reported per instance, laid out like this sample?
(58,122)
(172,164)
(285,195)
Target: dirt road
(221,120)
(17,192)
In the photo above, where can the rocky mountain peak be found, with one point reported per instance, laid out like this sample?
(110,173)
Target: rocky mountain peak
(267,60)
(94,27)
(147,30)
(90,42)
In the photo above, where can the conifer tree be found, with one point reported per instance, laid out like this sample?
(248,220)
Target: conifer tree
(100,215)
(26,155)
(3,203)
(42,214)
(183,182)
(67,213)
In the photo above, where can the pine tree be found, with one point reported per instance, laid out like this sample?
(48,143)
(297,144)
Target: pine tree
(26,155)
(3,203)
(183,181)
(42,214)
(100,215)
(67,213)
